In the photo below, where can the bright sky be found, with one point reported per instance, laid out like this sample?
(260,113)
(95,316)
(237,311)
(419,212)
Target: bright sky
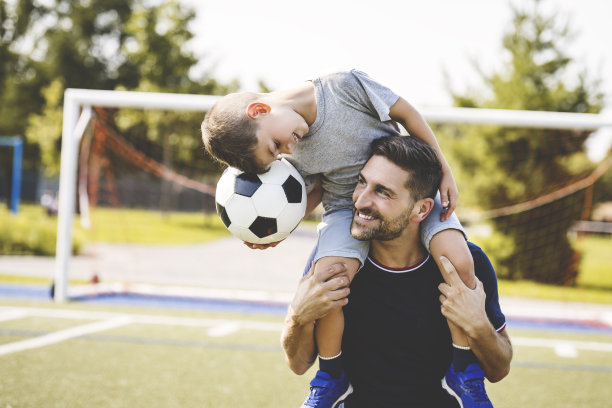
(406,45)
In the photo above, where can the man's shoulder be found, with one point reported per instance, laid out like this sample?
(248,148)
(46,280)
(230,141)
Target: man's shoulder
(477,252)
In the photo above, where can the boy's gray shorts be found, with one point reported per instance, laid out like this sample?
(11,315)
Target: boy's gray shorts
(431,225)
(335,233)
(335,237)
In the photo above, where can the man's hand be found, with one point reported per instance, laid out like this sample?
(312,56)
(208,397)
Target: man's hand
(319,294)
(461,305)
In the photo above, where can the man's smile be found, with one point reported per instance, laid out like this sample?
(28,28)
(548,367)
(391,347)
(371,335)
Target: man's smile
(362,216)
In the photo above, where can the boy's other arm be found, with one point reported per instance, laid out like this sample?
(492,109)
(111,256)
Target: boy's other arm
(314,198)
(404,113)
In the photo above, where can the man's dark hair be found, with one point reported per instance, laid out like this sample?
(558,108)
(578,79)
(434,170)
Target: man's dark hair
(417,158)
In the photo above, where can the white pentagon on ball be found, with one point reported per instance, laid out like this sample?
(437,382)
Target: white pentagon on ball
(261,208)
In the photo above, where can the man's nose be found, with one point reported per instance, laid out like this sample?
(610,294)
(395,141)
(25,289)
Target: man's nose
(362,200)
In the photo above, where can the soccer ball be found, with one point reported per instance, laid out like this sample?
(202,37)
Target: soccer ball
(261,208)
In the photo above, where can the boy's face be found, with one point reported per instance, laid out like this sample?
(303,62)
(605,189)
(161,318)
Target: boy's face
(278,132)
(382,204)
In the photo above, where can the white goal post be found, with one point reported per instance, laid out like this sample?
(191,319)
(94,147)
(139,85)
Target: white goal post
(77,113)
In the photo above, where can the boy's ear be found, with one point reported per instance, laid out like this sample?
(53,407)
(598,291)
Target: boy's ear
(421,209)
(257,108)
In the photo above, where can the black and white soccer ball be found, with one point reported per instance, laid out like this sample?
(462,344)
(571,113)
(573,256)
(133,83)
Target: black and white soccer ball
(261,208)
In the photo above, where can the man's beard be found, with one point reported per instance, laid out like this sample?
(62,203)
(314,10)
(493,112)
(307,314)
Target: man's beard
(386,230)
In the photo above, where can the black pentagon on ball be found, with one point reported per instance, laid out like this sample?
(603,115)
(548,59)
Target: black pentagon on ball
(247,184)
(293,190)
(263,226)
(223,215)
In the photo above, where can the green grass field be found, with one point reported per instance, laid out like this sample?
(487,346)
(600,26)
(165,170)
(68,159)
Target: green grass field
(152,227)
(181,358)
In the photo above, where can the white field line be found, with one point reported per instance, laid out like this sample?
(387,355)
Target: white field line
(561,311)
(223,330)
(219,326)
(146,319)
(564,344)
(181,291)
(6,315)
(62,335)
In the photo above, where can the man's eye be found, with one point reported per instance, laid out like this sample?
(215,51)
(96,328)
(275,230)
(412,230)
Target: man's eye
(276,144)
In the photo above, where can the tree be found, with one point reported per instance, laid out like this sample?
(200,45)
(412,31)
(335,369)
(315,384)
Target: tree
(96,44)
(507,166)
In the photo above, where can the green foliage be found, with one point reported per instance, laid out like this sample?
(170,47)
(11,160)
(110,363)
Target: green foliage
(505,166)
(48,46)
(45,129)
(31,232)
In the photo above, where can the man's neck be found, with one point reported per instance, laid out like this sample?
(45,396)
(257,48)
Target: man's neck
(400,252)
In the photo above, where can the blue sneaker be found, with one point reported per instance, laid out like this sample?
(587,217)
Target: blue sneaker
(467,387)
(327,392)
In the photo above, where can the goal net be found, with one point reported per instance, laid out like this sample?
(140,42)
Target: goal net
(132,164)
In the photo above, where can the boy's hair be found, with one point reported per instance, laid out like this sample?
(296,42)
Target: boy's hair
(229,135)
(416,157)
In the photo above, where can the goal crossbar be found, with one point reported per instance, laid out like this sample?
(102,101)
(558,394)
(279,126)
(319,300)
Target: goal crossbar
(77,113)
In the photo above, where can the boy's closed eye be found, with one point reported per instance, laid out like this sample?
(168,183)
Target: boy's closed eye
(274,150)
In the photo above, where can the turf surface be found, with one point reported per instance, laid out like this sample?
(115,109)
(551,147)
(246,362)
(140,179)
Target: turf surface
(195,358)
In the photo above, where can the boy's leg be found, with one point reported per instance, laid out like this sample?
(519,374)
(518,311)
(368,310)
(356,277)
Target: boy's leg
(329,329)
(451,244)
(465,377)
(335,244)
(330,384)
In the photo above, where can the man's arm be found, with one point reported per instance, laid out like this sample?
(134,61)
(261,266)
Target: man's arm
(465,307)
(315,297)
(493,350)
(298,343)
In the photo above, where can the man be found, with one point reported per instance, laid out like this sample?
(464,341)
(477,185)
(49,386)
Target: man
(396,344)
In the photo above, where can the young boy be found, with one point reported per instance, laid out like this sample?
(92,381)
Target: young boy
(324,128)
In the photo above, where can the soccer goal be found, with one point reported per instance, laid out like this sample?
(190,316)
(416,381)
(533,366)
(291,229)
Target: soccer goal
(88,177)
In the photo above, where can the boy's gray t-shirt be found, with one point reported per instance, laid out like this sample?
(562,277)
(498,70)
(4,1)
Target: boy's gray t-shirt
(352,111)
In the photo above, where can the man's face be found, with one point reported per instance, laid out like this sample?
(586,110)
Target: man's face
(382,204)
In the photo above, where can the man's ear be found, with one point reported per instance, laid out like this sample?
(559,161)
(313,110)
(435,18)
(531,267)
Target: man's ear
(421,209)
(256,109)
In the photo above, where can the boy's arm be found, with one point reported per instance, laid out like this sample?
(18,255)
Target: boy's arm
(404,113)
(314,197)
(466,308)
